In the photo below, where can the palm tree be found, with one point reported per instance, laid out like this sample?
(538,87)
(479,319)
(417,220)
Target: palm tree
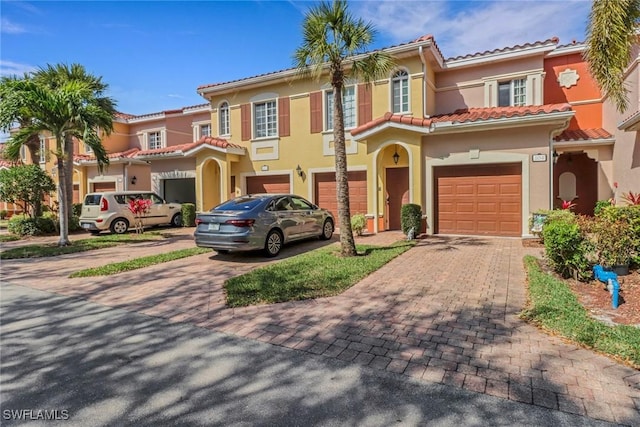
(611,33)
(69,110)
(334,46)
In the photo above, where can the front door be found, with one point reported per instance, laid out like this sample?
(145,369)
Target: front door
(397,195)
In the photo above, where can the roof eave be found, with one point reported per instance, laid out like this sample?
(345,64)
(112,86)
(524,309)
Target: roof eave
(389,125)
(229,150)
(499,56)
(631,124)
(557,118)
(584,142)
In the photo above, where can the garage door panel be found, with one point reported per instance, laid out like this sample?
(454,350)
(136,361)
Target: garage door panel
(483,200)
(103,186)
(268,184)
(326,197)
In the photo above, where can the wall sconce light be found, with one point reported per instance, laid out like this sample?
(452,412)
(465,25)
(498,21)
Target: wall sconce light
(134,180)
(299,171)
(396,156)
(555,156)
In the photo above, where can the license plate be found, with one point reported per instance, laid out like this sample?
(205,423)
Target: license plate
(214,226)
(85,225)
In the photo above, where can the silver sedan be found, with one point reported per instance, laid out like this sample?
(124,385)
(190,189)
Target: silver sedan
(261,221)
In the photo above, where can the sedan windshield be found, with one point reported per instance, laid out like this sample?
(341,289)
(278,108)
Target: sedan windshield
(239,204)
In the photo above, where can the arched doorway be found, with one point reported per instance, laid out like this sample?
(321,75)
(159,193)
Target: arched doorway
(211,180)
(575,176)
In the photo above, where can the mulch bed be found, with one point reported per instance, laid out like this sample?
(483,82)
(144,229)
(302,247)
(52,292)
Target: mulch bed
(597,300)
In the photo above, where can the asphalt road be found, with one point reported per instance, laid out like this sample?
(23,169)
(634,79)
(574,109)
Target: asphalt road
(90,365)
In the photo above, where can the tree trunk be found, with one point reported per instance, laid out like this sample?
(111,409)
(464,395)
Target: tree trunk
(63,198)
(69,176)
(347,243)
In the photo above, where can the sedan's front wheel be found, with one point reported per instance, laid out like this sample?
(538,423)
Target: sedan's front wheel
(327,230)
(273,244)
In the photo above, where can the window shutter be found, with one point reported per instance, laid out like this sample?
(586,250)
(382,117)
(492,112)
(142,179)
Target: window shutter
(315,98)
(245,120)
(284,124)
(365,107)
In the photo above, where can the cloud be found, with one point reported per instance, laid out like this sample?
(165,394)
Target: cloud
(8,68)
(468,27)
(9,27)
(172,95)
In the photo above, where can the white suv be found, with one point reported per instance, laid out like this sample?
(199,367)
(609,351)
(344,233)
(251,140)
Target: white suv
(110,211)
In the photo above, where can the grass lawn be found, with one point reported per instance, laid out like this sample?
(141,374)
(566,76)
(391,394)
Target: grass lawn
(8,238)
(555,308)
(4,223)
(133,264)
(315,274)
(51,249)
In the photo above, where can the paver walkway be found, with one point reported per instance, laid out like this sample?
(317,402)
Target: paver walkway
(446,312)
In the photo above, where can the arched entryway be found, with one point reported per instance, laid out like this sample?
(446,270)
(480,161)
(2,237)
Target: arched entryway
(395,162)
(211,183)
(575,179)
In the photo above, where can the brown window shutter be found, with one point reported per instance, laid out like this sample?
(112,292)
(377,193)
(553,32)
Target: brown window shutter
(284,124)
(315,98)
(245,120)
(365,107)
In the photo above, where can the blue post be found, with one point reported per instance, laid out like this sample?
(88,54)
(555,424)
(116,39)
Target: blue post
(611,279)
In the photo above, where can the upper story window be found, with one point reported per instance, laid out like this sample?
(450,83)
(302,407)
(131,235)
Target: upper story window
(348,108)
(154,140)
(400,92)
(23,152)
(512,93)
(88,149)
(205,130)
(43,150)
(265,123)
(223,119)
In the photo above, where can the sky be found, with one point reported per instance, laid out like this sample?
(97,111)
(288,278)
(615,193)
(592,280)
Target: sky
(155,54)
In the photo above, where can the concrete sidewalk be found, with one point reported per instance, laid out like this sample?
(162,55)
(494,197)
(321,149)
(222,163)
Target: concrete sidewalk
(444,312)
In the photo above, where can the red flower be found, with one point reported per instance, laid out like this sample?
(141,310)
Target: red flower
(139,207)
(631,198)
(567,204)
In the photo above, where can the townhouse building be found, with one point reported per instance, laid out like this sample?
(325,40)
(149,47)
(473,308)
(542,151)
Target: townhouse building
(480,141)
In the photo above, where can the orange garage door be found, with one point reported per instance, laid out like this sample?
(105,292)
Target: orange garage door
(479,200)
(103,186)
(325,192)
(268,184)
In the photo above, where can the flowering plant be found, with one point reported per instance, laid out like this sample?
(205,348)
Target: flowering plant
(139,208)
(631,198)
(568,205)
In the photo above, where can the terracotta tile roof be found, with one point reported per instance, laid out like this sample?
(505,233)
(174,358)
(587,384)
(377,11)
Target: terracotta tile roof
(583,135)
(7,163)
(424,38)
(505,49)
(476,114)
(183,148)
(466,115)
(127,154)
(125,116)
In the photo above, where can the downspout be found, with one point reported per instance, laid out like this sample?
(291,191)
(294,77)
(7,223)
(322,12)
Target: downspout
(125,168)
(424,84)
(551,164)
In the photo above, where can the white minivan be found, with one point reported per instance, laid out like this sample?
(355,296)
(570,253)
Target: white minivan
(109,210)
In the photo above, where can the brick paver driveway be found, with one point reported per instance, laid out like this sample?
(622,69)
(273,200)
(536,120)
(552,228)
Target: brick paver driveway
(446,311)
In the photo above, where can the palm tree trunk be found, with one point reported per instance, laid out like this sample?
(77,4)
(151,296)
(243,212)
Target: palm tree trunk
(33,145)
(69,176)
(347,243)
(63,190)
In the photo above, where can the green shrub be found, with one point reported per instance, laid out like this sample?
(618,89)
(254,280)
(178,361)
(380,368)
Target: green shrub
(358,224)
(3,214)
(188,215)
(619,232)
(600,205)
(26,226)
(566,245)
(77,209)
(411,217)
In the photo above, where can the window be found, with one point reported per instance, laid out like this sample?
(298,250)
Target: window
(265,117)
(205,130)
(512,93)
(87,149)
(223,119)
(348,108)
(43,150)
(155,140)
(301,204)
(23,153)
(400,92)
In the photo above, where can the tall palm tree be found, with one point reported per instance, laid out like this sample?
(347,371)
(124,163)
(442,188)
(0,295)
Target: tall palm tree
(334,46)
(68,111)
(611,33)
(58,75)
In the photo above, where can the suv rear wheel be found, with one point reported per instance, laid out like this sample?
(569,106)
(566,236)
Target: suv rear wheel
(273,244)
(176,221)
(119,226)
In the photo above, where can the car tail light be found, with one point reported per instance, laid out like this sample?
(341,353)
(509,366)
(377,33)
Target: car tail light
(104,205)
(198,221)
(241,222)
